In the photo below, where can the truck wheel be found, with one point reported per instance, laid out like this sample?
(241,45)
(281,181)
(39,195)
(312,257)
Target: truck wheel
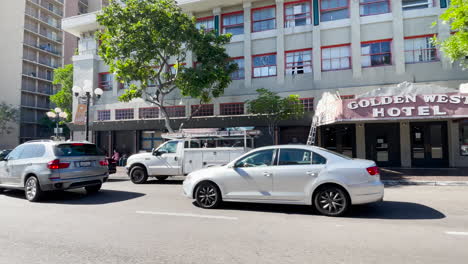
(138,175)
(161,178)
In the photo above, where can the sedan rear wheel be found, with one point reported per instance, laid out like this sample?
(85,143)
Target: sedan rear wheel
(331,201)
(208,195)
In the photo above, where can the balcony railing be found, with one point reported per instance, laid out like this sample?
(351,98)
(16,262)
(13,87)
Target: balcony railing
(45,89)
(52,8)
(49,49)
(48,62)
(45,76)
(50,21)
(51,36)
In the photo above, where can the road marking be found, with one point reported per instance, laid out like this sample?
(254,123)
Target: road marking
(456,233)
(188,215)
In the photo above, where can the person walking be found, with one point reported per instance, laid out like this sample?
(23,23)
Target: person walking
(116,156)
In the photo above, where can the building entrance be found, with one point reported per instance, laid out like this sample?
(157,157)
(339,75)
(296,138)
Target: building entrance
(429,144)
(383,144)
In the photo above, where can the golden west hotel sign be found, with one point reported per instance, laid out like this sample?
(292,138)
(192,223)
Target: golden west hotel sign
(450,105)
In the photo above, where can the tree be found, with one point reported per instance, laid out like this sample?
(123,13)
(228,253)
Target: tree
(148,42)
(456,46)
(64,97)
(8,115)
(273,108)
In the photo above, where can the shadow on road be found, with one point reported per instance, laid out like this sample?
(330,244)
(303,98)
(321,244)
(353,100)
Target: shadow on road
(390,210)
(79,197)
(165,182)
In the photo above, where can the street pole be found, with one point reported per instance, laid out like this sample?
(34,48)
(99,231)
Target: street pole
(57,119)
(88,96)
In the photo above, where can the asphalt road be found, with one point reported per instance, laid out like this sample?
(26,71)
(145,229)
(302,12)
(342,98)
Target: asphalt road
(154,223)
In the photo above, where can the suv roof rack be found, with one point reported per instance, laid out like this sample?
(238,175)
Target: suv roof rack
(39,140)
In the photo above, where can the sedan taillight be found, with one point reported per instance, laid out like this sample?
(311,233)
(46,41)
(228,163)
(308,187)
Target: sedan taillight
(373,170)
(56,164)
(104,163)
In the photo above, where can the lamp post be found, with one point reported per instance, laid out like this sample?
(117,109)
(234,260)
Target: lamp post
(86,93)
(57,114)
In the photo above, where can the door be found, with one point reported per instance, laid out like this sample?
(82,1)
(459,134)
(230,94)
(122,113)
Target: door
(295,173)
(7,171)
(166,160)
(251,178)
(429,144)
(383,144)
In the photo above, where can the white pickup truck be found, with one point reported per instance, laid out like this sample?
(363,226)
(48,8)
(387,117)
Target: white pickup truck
(178,157)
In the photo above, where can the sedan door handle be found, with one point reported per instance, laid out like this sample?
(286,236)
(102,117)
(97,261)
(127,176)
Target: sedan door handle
(267,174)
(311,173)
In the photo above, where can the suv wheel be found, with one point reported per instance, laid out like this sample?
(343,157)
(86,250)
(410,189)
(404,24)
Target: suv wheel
(332,201)
(32,190)
(93,188)
(138,175)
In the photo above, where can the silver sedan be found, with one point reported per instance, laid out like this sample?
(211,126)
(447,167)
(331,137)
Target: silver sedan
(289,174)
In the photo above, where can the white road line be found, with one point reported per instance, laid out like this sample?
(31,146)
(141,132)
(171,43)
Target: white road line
(188,215)
(456,233)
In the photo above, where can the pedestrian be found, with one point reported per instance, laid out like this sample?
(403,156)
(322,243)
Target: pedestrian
(116,156)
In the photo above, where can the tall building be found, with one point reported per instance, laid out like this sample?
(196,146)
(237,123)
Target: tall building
(31,48)
(308,47)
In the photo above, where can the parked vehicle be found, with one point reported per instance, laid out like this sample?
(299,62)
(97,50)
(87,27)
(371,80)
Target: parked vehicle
(4,153)
(290,174)
(112,166)
(45,165)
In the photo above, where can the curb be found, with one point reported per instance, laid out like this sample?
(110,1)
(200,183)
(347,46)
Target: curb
(425,183)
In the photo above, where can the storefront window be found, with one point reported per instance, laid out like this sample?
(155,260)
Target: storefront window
(464,138)
(150,140)
(340,138)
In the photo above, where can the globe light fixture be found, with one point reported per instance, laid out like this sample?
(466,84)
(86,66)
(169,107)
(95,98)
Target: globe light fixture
(86,93)
(58,110)
(76,90)
(63,115)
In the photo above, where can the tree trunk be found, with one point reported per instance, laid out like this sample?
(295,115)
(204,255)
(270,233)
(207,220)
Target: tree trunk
(167,120)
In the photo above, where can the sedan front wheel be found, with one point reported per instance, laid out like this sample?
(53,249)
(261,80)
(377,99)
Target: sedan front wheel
(208,195)
(332,201)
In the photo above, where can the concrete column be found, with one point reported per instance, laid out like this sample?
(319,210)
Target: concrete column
(316,53)
(355,18)
(360,141)
(453,142)
(216,108)
(247,45)
(398,48)
(405,143)
(189,55)
(217,12)
(280,60)
(443,33)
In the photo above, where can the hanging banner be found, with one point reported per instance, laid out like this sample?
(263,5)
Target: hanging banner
(80,116)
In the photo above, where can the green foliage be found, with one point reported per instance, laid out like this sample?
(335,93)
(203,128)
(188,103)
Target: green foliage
(8,115)
(143,39)
(64,97)
(456,46)
(275,108)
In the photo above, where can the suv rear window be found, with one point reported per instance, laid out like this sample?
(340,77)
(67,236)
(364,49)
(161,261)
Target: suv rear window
(77,149)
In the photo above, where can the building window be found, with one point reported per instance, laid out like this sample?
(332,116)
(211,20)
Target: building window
(336,58)
(105,81)
(308,104)
(150,140)
(420,49)
(346,97)
(206,23)
(298,14)
(263,18)
(123,114)
(175,111)
(376,53)
(202,110)
(374,7)
(264,65)
(464,138)
(299,61)
(233,23)
(333,10)
(232,109)
(149,112)
(240,73)
(416,4)
(103,115)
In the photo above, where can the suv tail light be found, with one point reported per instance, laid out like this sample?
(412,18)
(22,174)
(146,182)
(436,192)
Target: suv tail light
(373,170)
(104,163)
(56,164)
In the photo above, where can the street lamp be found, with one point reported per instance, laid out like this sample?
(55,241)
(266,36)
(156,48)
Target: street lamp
(57,114)
(87,93)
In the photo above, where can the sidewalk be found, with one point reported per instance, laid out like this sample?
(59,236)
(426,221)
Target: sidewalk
(398,176)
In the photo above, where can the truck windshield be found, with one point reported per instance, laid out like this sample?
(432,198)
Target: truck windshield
(77,149)
(169,147)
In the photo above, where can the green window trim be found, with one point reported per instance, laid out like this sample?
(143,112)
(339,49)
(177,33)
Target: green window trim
(317,12)
(443,3)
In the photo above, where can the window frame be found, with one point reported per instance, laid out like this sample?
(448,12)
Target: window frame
(437,57)
(202,19)
(305,65)
(277,161)
(273,158)
(238,58)
(382,53)
(308,103)
(286,20)
(253,21)
(389,3)
(350,58)
(202,106)
(227,104)
(110,87)
(263,55)
(462,125)
(107,111)
(429,3)
(125,109)
(334,9)
(175,107)
(223,26)
(140,112)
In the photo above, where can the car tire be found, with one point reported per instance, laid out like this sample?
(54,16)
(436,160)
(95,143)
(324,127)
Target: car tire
(162,178)
(331,200)
(93,189)
(138,175)
(32,189)
(207,195)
